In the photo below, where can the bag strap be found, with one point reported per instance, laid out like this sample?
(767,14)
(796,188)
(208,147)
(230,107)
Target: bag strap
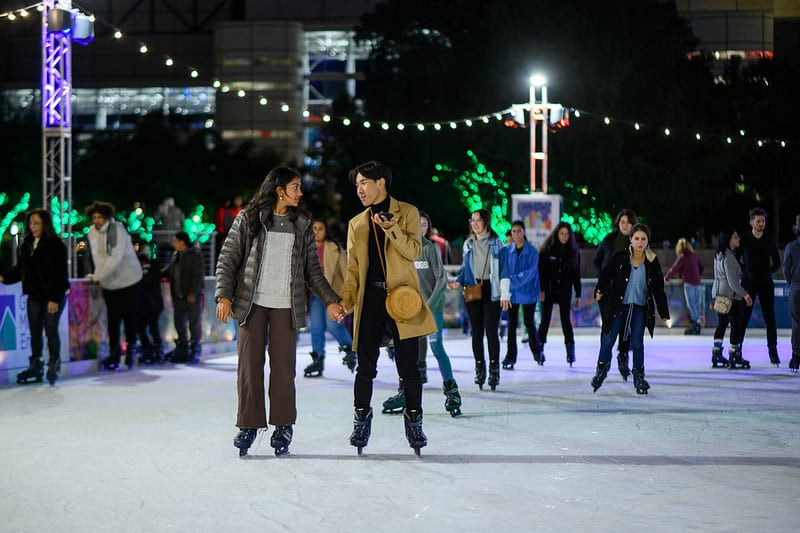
(378,246)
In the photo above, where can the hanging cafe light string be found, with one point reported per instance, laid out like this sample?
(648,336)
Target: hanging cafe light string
(509,116)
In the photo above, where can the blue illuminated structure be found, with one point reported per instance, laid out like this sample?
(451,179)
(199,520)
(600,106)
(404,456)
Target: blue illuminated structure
(60,25)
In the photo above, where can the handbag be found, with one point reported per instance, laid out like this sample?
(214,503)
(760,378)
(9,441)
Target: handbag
(722,304)
(473,293)
(402,302)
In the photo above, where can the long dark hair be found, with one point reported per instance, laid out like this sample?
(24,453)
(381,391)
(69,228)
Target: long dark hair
(571,250)
(48,230)
(266,196)
(430,226)
(724,244)
(625,212)
(327,226)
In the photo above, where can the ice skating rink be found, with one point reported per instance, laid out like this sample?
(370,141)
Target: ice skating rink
(151,450)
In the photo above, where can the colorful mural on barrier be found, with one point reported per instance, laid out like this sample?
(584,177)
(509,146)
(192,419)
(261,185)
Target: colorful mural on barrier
(15,336)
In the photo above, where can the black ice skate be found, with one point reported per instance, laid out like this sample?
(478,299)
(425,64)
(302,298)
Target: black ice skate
(32,374)
(314,370)
(349,359)
(53,369)
(112,361)
(508,364)
(394,404)
(717,359)
(773,356)
(600,375)
(362,427)
(570,353)
(622,365)
(538,352)
(452,398)
(244,439)
(794,363)
(639,382)
(735,358)
(416,437)
(494,374)
(281,439)
(480,373)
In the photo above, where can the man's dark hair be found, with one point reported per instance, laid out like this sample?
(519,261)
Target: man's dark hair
(183,236)
(106,209)
(373,170)
(757,212)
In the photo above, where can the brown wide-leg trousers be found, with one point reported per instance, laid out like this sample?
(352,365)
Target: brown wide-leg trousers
(277,323)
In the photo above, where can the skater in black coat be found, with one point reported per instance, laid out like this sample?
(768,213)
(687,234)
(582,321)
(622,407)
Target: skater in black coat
(42,268)
(560,276)
(629,289)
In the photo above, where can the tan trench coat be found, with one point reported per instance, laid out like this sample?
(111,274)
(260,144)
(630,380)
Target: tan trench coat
(401,248)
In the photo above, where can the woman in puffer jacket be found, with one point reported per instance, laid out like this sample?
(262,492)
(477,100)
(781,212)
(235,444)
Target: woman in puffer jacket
(728,283)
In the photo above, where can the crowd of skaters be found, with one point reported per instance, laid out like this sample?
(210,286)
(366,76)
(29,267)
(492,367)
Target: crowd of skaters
(390,244)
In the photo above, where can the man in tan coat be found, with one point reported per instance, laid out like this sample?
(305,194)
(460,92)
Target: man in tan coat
(382,243)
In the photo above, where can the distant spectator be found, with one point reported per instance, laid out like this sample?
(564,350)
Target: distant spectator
(151,304)
(186,287)
(689,268)
(791,271)
(116,269)
(761,260)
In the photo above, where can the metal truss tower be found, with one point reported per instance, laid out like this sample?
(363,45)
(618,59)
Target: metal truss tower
(57,126)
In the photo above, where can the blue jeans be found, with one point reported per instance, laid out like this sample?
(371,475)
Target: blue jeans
(692,295)
(39,318)
(437,347)
(319,323)
(637,314)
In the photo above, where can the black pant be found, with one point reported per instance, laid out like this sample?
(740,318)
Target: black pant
(765,292)
(564,306)
(528,311)
(38,318)
(122,306)
(484,318)
(736,318)
(187,312)
(373,322)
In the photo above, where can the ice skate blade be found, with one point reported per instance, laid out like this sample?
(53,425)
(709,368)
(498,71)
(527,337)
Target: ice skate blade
(360,450)
(392,410)
(493,387)
(283,451)
(242,452)
(508,366)
(312,375)
(416,451)
(455,412)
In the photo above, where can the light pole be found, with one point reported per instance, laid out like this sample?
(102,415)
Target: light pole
(538,114)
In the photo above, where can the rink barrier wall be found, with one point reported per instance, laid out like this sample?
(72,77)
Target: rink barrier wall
(83,322)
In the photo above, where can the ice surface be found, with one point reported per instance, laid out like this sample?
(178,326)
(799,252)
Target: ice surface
(151,449)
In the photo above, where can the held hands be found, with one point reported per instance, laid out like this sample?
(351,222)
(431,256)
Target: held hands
(505,305)
(748,300)
(453,285)
(337,312)
(576,302)
(52,307)
(383,223)
(597,296)
(224,310)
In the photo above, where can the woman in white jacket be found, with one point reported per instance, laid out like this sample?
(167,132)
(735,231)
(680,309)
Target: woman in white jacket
(118,272)
(728,283)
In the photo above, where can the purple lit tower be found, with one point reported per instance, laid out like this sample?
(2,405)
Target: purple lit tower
(61,24)
(57,114)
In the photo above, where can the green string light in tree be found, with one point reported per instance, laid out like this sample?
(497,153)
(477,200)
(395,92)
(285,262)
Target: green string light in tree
(582,216)
(196,228)
(9,217)
(479,189)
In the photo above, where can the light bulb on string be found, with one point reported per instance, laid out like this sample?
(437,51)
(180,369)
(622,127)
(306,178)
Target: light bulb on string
(607,120)
(401,126)
(635,126)
(421,127)
(142,48)
(346,121)
(384,126)
(437,126)
(169,62)
(367,124)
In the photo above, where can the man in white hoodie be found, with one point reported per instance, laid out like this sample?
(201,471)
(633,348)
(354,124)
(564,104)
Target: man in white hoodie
(118,272)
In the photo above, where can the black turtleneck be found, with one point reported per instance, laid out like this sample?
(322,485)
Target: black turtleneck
(374,270)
